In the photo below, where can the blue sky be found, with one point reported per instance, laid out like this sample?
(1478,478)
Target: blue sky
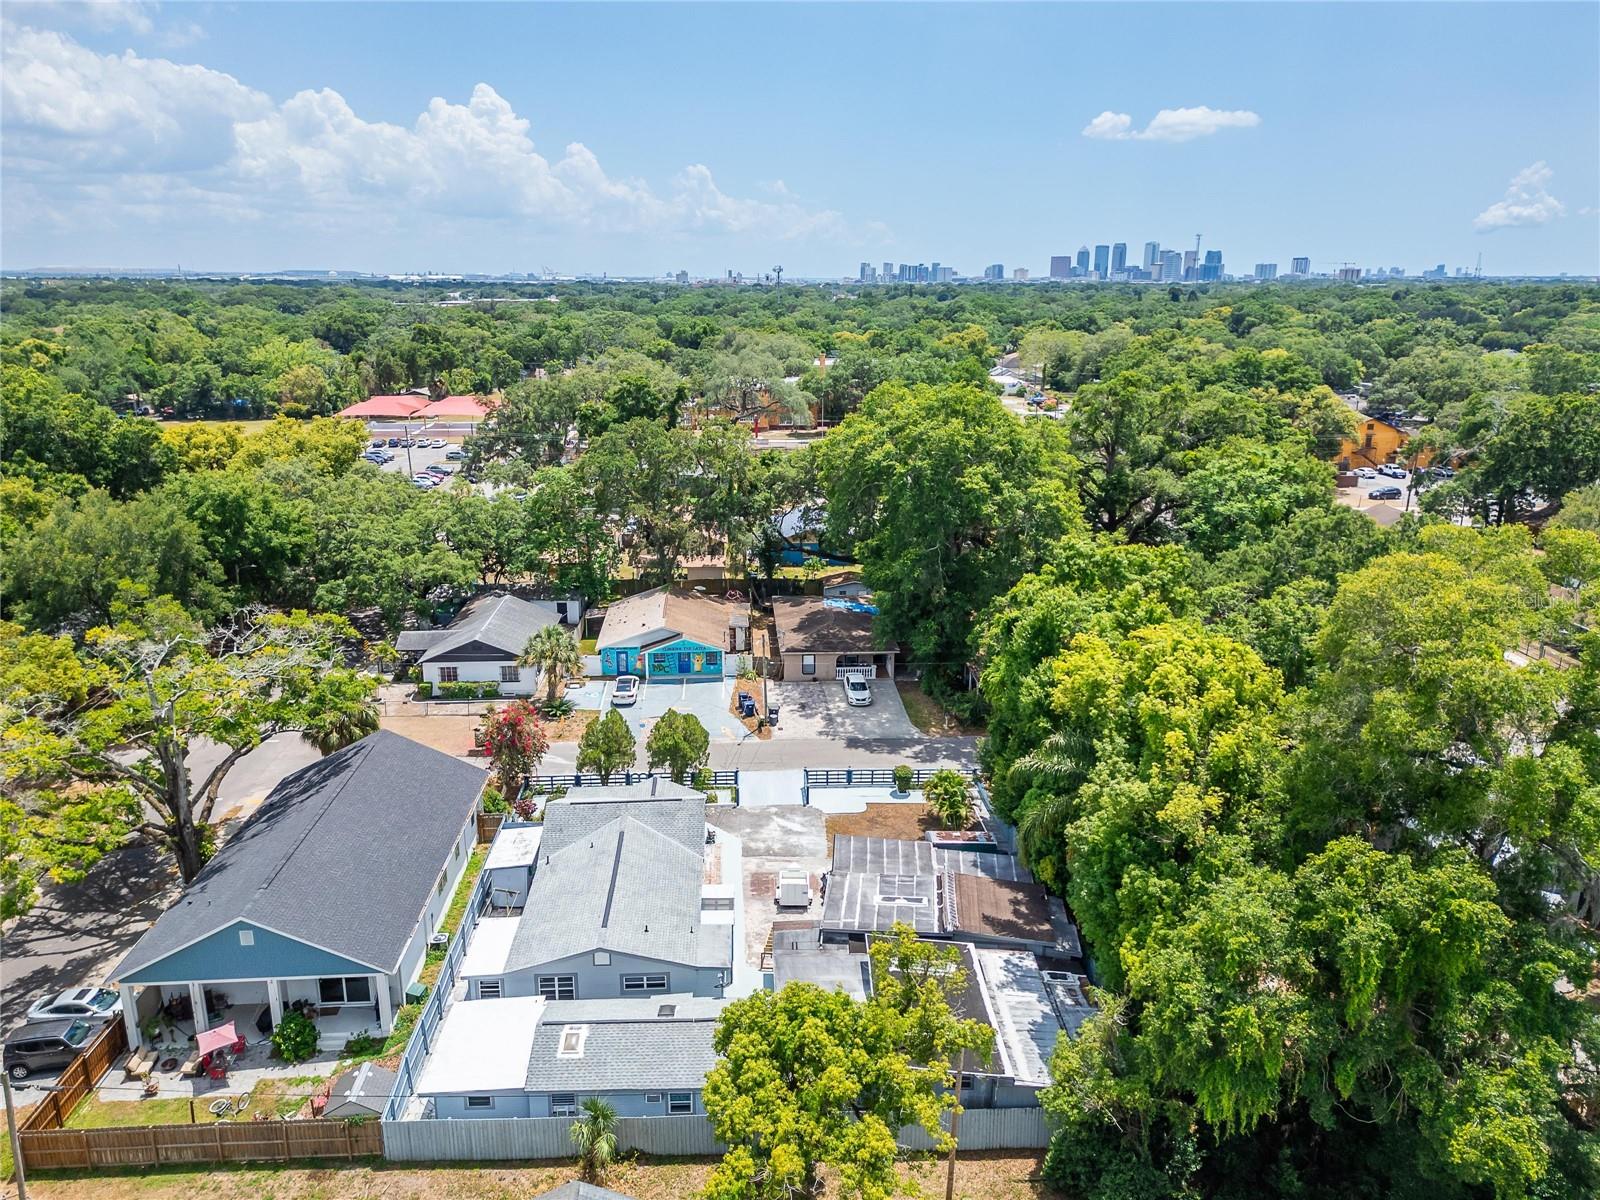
(641,139)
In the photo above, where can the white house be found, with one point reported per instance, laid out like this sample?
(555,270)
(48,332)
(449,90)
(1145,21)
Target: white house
(485,640)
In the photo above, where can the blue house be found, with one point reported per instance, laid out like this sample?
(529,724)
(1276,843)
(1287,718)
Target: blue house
(322,903)
(673,633)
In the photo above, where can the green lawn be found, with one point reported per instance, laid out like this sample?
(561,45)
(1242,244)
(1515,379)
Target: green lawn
(278,1097)
(587,646)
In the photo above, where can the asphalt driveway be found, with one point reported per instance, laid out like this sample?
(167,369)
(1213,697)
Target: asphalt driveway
(707,699)
(819,710)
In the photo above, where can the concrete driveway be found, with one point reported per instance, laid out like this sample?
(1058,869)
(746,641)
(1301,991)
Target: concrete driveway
(819,710)
(707,699)
(76,933)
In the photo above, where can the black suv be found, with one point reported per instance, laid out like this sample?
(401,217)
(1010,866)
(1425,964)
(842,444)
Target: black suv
(44,1046)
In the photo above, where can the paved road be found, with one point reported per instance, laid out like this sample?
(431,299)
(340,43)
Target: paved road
(77,933)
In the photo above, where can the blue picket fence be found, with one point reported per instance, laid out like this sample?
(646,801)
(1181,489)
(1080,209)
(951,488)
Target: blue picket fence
(871,776)
(433,1009)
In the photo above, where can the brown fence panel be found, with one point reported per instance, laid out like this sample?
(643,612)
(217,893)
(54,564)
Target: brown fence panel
(66,1148)
(489,825)
(184,1143)
(78,1079)
(212,1142)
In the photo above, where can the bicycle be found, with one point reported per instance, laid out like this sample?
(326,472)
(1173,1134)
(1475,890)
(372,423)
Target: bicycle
(225,1107)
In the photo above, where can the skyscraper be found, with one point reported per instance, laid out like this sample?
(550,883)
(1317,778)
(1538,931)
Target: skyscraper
(1190,259)
(1265,271)
(1083,260)
(1061,266)
(866,273)
(888,271)
(1152,254)
(1171,266)
(1301,266)
(1102,261)
(1019,273)
(1211,269)
(994,271)
(1119,257)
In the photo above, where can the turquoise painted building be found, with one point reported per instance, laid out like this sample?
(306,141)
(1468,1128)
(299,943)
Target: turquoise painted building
(673,633)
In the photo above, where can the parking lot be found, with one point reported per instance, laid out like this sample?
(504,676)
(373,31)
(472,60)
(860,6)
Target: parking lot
(707,699)
(409,462)
(819,710)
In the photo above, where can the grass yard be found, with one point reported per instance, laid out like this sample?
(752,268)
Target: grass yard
(276,1097)
(931,717)
(1000,1175)
(588,645)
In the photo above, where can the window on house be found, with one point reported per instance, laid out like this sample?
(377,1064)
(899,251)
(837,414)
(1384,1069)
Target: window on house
(558,987)
(652,1097)
(644,983)
(572,1040)
(440,888)
(489,989)
(510,674)
(563,1104)
(808,664)
(716,904)
(602,958)
(449,674)
(679,1103)
(353,989)
(658,664)
(247,937)
(480,1101)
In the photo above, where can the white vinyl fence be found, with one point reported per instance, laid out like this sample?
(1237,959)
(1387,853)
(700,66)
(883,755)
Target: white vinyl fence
(507,1139)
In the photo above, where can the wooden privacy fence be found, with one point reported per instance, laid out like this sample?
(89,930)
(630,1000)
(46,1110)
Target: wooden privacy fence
(215,1142)
(78,1079)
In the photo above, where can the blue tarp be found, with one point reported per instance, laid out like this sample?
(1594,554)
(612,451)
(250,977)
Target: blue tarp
(855,606)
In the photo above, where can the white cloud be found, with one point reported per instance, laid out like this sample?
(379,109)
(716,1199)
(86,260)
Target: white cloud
(1170,124)
(1527,202)
(102,16)
(123,132)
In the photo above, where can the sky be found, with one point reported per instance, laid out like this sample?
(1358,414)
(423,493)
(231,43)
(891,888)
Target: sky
(643,139)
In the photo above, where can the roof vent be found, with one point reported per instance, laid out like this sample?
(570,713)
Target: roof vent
(667,1010)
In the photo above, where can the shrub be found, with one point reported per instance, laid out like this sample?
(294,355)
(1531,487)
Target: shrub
(947,795)
(902,779)
(425,690)
(702,780)
(494,801)
(525,806)
(362,1045)
(295,1038)
(554,710)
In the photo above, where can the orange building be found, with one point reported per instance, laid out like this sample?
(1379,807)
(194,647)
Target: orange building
(1376,442)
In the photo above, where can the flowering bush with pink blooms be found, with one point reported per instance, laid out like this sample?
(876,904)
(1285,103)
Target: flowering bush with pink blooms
(515,741)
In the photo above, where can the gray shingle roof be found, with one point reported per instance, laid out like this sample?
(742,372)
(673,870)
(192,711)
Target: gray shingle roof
(500,622)
(680,814)
(645,1053)
(343,854)
(625,887)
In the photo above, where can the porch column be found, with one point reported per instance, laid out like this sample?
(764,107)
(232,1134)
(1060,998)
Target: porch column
(275,1002)
(130,1015)
(197,1001)
(380,984)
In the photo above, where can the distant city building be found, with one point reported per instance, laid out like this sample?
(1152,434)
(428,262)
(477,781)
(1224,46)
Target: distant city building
(888,271)
(1302,266)
(867,273)
(1265,271)
(682,277)
(1102,261)
(1152,255)
(994,271)
(943,274)
(1171,266)
(1119,257)
(1061,266)
(1019,273)
(1436,273)
(1191,259)
(1083,260)
(1349,274)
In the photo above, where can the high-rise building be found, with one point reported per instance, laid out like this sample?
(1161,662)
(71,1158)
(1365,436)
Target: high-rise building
(1349,274)
(682,277)
(1171,266)
(1265,271)
(888,271)
(1061,266)
(1191,259)
(1301,266)
(1119,257)
(1102,261)
(1083,260)
(1152,254)
(1019,273)
(867,273)
(994,271)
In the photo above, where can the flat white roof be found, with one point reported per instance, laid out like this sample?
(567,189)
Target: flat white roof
(1025,1024)
(491,942)
(482,1046)
(514,846)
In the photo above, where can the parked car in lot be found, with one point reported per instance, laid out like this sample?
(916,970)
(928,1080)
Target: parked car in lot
(1392,472)
(424,481)
(46,1046)
(856,691)
(394,441)
(1385,493)
(455,455)
(85,1003)
(1366,473)
(438,443)
(625,691)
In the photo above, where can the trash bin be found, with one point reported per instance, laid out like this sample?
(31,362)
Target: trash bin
(416,993)
(772,714)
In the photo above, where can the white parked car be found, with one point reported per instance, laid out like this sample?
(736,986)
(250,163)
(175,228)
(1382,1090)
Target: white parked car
(1366,473)
(83,1004)
(625,691)
(856,691)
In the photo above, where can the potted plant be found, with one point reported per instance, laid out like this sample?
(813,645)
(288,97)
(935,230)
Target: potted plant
(902,780)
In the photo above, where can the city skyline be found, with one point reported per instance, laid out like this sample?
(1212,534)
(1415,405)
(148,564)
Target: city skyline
(144,136)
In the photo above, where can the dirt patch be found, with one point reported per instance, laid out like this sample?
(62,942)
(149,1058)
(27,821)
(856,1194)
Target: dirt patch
(903,822)
(452,734)
(754,724)
(570,727)
(998,1175)
(931,717)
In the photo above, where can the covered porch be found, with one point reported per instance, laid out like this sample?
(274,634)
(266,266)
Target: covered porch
(170,1016)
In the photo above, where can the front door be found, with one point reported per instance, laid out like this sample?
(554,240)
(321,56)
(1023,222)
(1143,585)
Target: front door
(685,663)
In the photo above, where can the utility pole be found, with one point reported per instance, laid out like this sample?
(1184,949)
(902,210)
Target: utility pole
(955,1133)
(778,271)
(16,1140)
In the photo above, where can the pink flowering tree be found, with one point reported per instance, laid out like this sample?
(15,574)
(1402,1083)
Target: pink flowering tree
(515,741)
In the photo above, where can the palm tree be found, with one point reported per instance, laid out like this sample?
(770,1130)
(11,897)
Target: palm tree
(554,653)
(595,1136)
